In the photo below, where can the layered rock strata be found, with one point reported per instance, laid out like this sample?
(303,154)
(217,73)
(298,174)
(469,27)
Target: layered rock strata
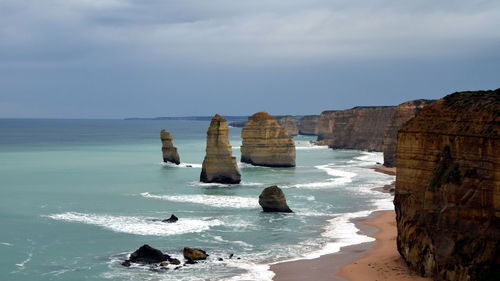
(219,164)
(402,114)
(169,150)
(289,123)
(272,199)
(447,197)
(308,125)
(357,128)
(266,143)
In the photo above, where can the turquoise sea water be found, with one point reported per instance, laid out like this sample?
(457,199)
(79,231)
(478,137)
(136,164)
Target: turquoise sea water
(78,196)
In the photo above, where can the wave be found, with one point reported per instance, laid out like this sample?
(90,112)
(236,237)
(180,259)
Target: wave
(139,225)
(181,165)
(370,158)
(6,244)
(23,263)
(220,201)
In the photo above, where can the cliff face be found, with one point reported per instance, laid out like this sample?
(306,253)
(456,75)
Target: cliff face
(308,124)
(289,123)
(167,147)
(357,128)
(447,197)
(219,164)
(402,114)
(266,143)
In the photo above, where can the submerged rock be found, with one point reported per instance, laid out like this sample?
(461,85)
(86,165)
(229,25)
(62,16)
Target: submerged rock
(172,219)
(272,199)
(266,143)
(219,164)
(194,254)
(146,255)
(169,150)
(447,197)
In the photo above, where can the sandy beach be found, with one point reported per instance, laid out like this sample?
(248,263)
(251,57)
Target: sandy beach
(369,261)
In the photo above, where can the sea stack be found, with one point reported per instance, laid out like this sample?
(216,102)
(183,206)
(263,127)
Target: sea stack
(289,123)
(308,125)
(402,114)
(219,164)
(266,143)
(169,150)
(447,197)
(272,199)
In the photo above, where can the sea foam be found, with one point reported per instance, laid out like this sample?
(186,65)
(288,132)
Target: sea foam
(139,225)
(220,201)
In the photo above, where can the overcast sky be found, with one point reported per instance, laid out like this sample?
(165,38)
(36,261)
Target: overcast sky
(146,58)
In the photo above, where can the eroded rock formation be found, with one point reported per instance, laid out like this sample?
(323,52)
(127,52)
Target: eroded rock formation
(289,123)
(266,143)
(402,114)
(219,164)
(447,197)
(272,199)
(357,128)
(308,125)
(169,150)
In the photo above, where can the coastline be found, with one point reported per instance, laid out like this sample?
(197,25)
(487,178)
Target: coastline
(378,259)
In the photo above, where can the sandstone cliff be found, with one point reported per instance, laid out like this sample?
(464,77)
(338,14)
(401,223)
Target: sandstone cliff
(167,147)
(266,143)
(357,128)
(289,123)
(308,124)
(219,164)
(402,114)
(447,197)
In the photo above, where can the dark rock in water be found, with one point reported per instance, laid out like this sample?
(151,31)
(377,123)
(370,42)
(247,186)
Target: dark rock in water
(272,199)
(190,261)
(147,254)
(220,259)
(177,267)
(164,263)
(172,219)
(231,256)
(194,254)
(126,263)
(189,166)
(174,261)
(392,190)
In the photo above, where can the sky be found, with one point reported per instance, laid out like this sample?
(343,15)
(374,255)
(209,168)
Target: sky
(148,58)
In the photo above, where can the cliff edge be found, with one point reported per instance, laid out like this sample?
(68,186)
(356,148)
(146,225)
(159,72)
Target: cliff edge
(447,197)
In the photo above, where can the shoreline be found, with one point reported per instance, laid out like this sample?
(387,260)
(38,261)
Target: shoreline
(366,261)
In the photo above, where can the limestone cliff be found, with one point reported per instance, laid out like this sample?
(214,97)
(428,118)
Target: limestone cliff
(308,124)
(357,128)
(266,143)
(219,164)
(402,114)
(289,123)
(167,147)
(447,197)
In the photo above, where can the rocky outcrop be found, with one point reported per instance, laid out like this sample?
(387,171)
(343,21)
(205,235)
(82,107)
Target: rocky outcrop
(169,150)
(402,114)
(272,199)
(219,164)
(357,128)
(146,255)
(289,123)
(266,143)
(447,196)
(308,125)
(194,254)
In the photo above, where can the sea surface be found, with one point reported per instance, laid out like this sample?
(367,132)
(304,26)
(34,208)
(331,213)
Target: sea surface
(78,196)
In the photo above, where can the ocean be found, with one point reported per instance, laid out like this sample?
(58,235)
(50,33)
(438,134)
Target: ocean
(78,196)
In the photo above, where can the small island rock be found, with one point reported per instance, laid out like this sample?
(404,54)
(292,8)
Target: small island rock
(167,147)
(272,199)
(193,254)
(147,254)
(219,164)
(172,219)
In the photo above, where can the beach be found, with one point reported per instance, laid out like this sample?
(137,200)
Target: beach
(368,261)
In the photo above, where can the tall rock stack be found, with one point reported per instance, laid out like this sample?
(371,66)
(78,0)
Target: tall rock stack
(447,197)
(289,123)
(403,113)
(167,147)
(308,125)
(360,127)
(266,143)
(219,164)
